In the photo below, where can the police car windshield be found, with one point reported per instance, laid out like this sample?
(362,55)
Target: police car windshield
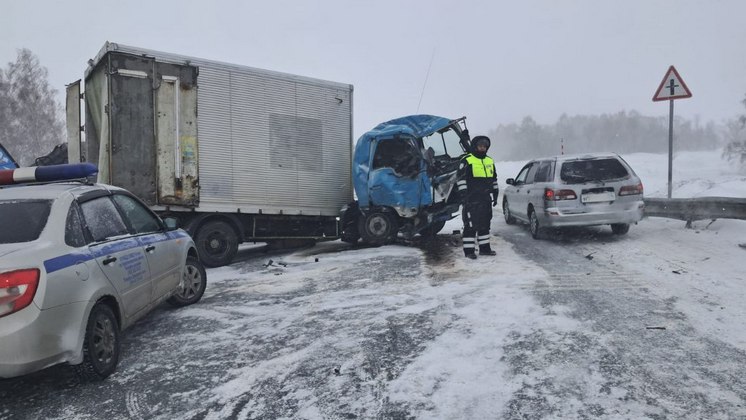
(23,220)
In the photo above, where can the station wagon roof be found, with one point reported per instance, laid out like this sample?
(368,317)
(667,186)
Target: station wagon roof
(564,158)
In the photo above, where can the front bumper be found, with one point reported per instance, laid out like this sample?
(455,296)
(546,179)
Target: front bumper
(31,339)
(631,212)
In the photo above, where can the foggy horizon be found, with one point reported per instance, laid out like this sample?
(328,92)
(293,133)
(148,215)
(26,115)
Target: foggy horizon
(496,62)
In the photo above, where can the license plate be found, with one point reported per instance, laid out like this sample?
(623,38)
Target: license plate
(598,197)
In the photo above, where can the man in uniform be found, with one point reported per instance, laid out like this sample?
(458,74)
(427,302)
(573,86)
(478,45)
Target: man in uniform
(478,187)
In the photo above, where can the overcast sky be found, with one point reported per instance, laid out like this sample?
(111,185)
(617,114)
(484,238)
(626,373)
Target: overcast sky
(493,61)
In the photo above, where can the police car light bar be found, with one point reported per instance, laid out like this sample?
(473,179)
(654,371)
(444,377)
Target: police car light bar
(47,173)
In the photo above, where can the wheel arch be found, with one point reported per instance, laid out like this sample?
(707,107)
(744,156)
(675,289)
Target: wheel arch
(112,303)
(194,225)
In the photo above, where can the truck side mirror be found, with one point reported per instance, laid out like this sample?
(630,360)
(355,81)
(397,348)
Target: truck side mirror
(510,181)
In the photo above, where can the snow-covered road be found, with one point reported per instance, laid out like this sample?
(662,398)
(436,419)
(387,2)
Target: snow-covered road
(580,324)
(583,324)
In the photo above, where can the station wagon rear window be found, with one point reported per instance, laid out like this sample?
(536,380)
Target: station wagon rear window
(588,170)
(23,220)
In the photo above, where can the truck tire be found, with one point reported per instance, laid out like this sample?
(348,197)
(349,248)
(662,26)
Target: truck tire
(377,228)
(217,243)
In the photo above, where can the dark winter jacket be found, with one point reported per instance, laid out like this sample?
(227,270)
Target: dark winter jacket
(477,178)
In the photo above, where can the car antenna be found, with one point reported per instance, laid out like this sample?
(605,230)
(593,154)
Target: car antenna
(427,75)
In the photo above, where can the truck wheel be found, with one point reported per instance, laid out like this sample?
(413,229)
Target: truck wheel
(192,285)
(101,344)
(377,228)
(217,243)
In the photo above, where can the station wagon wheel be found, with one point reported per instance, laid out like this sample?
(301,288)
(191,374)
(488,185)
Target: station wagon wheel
(101,345)
(619,228)
(192,284)
(509,219)
(533,224)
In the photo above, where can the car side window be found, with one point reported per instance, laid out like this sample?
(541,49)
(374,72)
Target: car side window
(544,172)
(521,178)
(140,218)
(74,235)
(102,219)
(531,173)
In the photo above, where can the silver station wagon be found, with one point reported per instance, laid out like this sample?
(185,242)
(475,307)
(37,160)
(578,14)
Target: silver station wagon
(595,189)
(80,262)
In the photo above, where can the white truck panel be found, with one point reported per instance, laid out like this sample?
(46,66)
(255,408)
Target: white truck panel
(268,142)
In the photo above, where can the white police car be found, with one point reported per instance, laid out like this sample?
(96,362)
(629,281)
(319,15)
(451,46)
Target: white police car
(80,262)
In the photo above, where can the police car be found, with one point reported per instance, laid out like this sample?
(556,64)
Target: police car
(79,263)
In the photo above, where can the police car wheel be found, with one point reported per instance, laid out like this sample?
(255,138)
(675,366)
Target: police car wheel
(377,228)
(192,285)
(101,346)
(217,243)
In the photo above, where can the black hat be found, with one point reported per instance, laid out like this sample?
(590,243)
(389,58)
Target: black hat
(481,139)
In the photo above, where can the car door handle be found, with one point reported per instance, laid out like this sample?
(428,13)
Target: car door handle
(150,248)
(109,260)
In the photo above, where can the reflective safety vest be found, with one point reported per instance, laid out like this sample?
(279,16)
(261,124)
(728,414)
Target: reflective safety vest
(481,168)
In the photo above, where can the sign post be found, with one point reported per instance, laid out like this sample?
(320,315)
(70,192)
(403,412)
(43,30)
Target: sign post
(672,87)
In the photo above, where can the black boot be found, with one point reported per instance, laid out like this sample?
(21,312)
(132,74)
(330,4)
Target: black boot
(471,256)
(487,252)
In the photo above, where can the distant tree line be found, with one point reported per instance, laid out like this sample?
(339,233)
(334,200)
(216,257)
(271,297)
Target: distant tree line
(735,138)
(31,123)
(623,132)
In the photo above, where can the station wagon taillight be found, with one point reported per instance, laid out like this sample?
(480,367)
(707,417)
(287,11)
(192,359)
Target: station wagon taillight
(631,189)
(17,290)
(557,195)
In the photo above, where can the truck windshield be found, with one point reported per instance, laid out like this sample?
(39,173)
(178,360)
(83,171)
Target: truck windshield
(28,220)
(446,142)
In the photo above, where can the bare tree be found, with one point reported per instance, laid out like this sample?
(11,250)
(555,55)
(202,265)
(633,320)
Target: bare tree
(31,122)
(735,137)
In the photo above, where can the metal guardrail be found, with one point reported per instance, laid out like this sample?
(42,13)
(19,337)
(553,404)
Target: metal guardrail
(700,208)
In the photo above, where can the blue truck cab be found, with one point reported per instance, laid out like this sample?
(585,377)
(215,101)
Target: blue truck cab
(404,173)
(6,160)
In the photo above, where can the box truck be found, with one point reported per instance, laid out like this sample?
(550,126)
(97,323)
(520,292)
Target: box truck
(234,153)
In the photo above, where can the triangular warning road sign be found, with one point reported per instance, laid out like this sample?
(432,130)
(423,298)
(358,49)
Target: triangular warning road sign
(672,87)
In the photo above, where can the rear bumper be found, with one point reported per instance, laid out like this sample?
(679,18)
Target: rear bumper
(631,212)
(32,339)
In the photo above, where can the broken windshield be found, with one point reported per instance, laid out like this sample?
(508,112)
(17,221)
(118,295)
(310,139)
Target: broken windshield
(445,142)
